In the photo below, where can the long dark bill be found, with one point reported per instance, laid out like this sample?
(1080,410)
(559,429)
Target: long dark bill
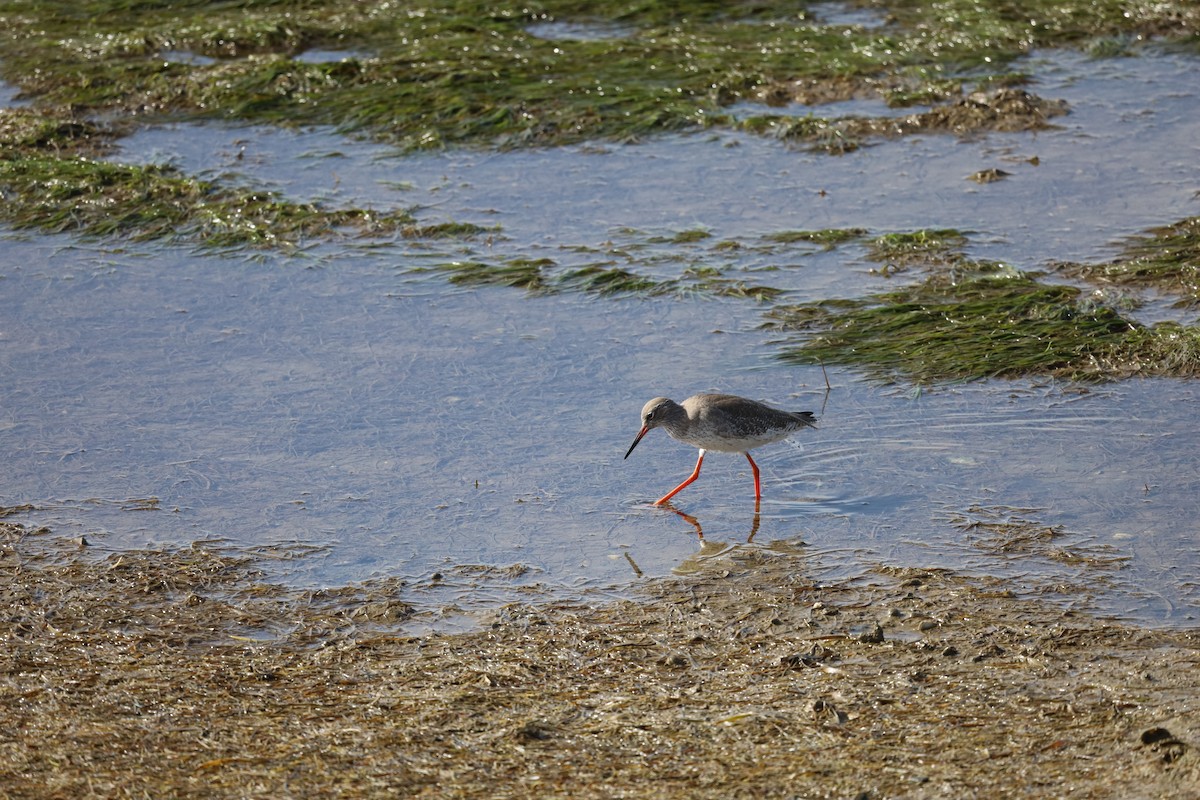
(641,433)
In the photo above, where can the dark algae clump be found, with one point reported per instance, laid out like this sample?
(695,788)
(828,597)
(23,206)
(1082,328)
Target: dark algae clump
(967,320)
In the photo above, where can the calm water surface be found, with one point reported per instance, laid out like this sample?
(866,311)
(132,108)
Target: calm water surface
(342,403)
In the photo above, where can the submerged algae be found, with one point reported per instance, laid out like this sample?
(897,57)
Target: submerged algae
(1166,259)
(968,320)
(52,179)
(986,325)
(464,72)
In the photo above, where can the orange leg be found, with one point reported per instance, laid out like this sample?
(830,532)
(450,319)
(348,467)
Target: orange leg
(695,474)
(757,484)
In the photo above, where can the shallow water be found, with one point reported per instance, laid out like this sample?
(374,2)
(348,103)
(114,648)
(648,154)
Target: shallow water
(1123,160)
(339,399)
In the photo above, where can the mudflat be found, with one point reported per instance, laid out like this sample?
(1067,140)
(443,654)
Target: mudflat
(180,673)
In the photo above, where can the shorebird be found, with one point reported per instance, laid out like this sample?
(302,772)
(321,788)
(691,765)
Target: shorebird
(721,422)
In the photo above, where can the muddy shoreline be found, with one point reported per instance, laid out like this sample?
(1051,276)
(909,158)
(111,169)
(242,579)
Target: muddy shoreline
(181,674)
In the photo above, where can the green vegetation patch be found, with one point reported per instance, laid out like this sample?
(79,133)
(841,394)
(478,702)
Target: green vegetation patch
(1166,259)
(969,320)
(684,263)
(992,323)
(606,279)
(467,72)
(98,198)
(929,247)
(828,238)
(545,276)
(989,325)
(517,273)
(51,179)
(1004,109)
(24,130)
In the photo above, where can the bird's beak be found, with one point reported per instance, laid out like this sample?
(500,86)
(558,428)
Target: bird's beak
(641,433)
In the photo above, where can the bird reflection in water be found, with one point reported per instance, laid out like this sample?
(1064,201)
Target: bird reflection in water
(708,549)
(695,523)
